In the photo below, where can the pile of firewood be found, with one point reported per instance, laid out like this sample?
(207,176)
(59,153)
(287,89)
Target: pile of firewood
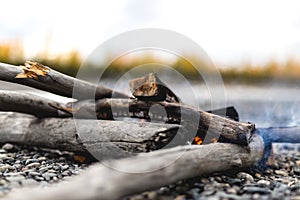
(157,144)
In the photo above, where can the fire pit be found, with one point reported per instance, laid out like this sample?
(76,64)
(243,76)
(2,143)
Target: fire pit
(221,142)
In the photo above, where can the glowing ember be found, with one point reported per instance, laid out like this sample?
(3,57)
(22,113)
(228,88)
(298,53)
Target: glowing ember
(198,140)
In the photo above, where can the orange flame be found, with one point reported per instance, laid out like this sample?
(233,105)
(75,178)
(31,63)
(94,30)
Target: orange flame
(198,140)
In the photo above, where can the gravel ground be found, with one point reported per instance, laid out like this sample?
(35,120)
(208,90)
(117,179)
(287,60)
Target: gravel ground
(23,167)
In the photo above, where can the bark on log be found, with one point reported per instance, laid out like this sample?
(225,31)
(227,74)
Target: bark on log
(29,104)
(205,124)
(39,106)
(149,171)
(41,77)
(104,139)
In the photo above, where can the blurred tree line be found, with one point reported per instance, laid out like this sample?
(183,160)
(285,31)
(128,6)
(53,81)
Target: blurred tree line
(12,52)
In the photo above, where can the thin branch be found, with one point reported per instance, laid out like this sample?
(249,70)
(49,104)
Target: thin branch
(44,78)
(29,104)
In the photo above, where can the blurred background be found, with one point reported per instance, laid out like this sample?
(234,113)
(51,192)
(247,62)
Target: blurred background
(254,44)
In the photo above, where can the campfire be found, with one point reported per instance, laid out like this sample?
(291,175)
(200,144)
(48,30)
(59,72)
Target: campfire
(103,129)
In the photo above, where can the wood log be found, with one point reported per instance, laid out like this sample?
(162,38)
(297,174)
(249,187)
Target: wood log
(203,123)
(149,171)
(44,78)
(29,104)
(39,106)
(151,88)
(104,139)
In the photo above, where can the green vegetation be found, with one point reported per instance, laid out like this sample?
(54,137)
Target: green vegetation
(287,72)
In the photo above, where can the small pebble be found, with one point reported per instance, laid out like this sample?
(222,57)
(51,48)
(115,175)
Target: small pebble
(3,151)
(65,173)
(52,171)
(33,165)
(41,159)
(253,189)
(205,180)
(281,173)
(28,161)
(33,173)
(49,175)
(164,190)
(39,178)
(8,147)
(231,191)
(247,177)
(65,167)
(263,182)
(3,182)
(6,167)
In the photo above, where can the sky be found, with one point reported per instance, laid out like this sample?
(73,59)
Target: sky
(231,32)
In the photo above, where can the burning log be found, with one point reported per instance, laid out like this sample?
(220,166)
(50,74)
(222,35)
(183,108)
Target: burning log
(38,106)
(102,182)
(42,77)
(218,127)
(38,76)
(106,139)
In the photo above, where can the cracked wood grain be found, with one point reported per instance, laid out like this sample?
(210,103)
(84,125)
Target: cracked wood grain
(98,138)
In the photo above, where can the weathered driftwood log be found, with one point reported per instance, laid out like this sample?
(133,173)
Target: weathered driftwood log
(44,78)
(38,106)
(151,88)
(104,139)
(29,104)
(205,124)
(149,171)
